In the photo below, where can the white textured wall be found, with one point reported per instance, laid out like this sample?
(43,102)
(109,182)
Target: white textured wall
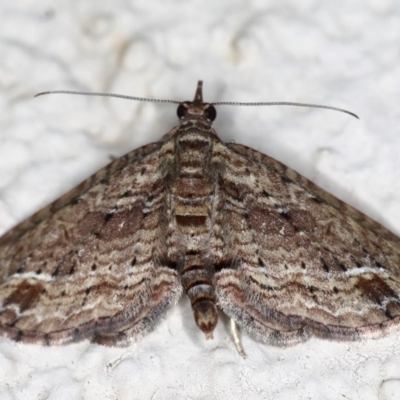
(343,53)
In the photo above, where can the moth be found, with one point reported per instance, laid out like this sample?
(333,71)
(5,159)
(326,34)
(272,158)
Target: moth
(232,228)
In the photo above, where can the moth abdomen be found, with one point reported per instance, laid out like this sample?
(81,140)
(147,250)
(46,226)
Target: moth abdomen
(198,285)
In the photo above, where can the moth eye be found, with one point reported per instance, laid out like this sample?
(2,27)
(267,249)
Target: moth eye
(181,111)
(210,113)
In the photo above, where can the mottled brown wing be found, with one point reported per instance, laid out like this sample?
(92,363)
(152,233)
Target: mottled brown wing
(90,264)
(304,263)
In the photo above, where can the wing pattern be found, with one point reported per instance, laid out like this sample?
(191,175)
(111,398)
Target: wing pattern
(90,264)
(304,263)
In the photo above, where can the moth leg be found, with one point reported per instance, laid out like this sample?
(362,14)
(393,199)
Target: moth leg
(236,339)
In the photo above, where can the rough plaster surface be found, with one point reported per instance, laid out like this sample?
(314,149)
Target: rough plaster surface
(337,53)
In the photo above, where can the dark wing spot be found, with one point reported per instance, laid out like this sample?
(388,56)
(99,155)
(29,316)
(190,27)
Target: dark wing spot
(342,267)
(108,216)
(18,336)
(315,199)
(25,295)
(285,179)
(128,193)
(375,289)
(76,200)
(324,265)
(223,264)
(72,270)
(265,194)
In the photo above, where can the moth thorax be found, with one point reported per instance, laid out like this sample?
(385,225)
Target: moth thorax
(193,151)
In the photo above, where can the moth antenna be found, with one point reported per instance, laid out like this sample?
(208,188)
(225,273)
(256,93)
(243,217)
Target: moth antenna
(119,96)
(285,103)
(199,98)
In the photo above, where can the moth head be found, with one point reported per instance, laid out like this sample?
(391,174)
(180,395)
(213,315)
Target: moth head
(196,109)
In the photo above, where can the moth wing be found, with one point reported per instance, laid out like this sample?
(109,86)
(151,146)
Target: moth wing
(90,264)
(303,263)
